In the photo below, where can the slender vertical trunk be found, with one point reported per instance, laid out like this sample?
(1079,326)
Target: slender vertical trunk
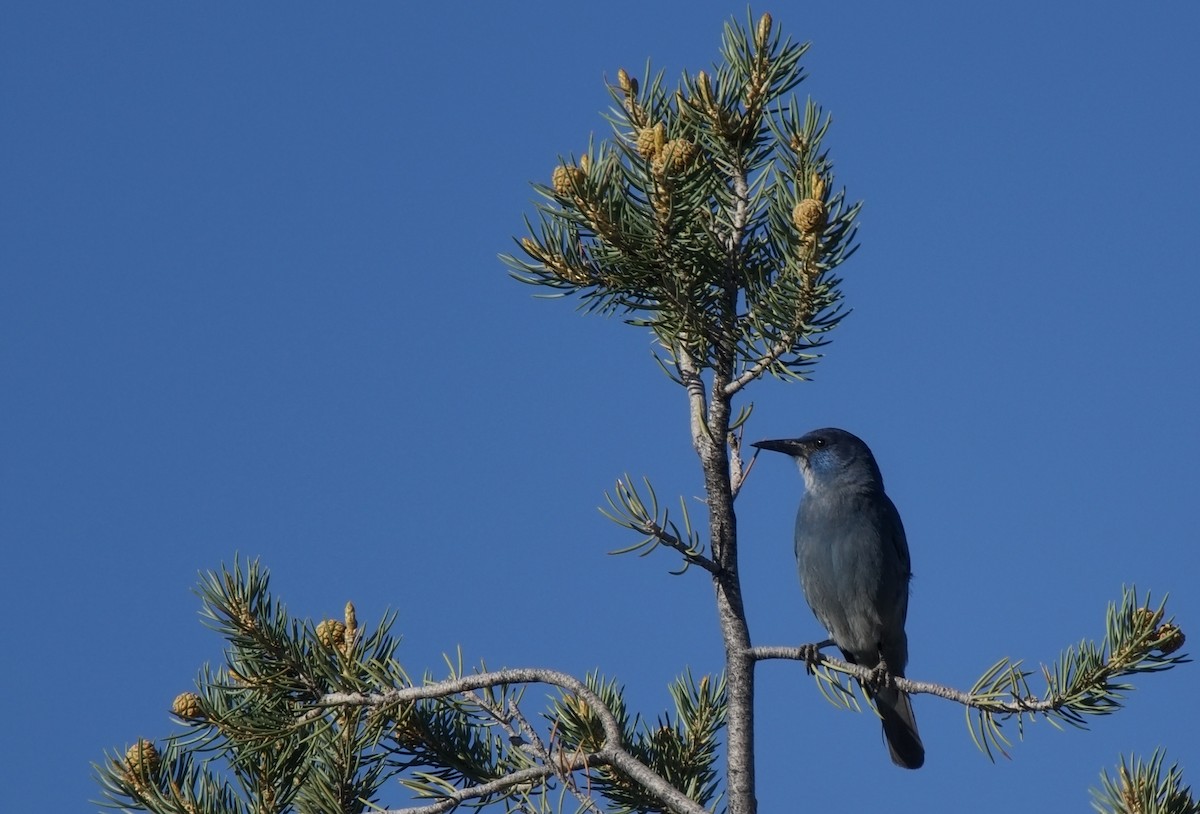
(710,426)
(739,667)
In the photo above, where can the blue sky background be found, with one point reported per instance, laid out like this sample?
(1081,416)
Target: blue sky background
(250,303)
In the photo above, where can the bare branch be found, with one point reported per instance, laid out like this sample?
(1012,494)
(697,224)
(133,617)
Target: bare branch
(689,374)
(772,356)
(614,754)
(738,471)
(459,796)
(736,476)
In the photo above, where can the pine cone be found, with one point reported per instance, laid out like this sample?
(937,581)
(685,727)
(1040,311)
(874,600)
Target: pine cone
(809,216)
(187,706)
(142,759)
(331,633)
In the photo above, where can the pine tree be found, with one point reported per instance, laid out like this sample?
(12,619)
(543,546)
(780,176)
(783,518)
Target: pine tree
(712,217)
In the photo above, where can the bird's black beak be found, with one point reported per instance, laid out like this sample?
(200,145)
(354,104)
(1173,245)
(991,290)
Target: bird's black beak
(788,446)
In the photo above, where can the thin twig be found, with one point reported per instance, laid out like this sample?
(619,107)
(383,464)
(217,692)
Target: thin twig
(772,356)
(613,754)
(525,733)
(455,798)
(664,537)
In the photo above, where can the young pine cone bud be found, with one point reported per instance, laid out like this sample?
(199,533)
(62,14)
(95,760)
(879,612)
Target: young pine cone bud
(187,706)
(627,83)
(818,186)
(704,86)
(351,623)
(809,216)
(763,33)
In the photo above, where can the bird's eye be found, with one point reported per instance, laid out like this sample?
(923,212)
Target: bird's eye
(820,442)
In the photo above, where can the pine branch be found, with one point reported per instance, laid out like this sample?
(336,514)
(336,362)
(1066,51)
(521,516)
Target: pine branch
(613,752)
(630,510)
(1145,787)
(1086,681)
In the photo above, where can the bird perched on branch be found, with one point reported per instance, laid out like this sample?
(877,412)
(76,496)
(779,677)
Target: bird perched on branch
(855,569)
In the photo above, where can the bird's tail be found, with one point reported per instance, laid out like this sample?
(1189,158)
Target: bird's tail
(900,728)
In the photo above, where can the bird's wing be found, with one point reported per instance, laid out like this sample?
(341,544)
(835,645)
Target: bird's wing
(899,548)
(898,539)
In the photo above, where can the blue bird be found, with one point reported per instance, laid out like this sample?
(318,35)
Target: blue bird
(855,569)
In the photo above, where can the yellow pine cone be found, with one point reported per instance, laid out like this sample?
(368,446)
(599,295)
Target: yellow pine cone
(187,706)
(809,216)
(565,178)
(646,145)
(331,633)
(650,140)
(676,156)
(142,759)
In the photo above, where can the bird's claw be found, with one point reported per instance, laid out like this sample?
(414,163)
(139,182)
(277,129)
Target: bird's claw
(811,655)
(880,678)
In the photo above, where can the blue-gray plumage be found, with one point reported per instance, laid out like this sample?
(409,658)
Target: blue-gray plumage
(854,568)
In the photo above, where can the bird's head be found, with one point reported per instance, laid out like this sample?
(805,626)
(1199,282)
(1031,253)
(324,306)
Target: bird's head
(830,457)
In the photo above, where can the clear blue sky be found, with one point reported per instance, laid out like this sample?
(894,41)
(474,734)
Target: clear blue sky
(250,303)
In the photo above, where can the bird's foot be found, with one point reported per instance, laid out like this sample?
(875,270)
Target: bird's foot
(880,678)
(811,654)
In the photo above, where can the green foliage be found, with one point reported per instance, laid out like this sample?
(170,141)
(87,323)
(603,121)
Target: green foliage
(311,718)
(629,509)
(681,748)
(708,216)
(1142,787)
(452,742)
(1085,682)
(266,742)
